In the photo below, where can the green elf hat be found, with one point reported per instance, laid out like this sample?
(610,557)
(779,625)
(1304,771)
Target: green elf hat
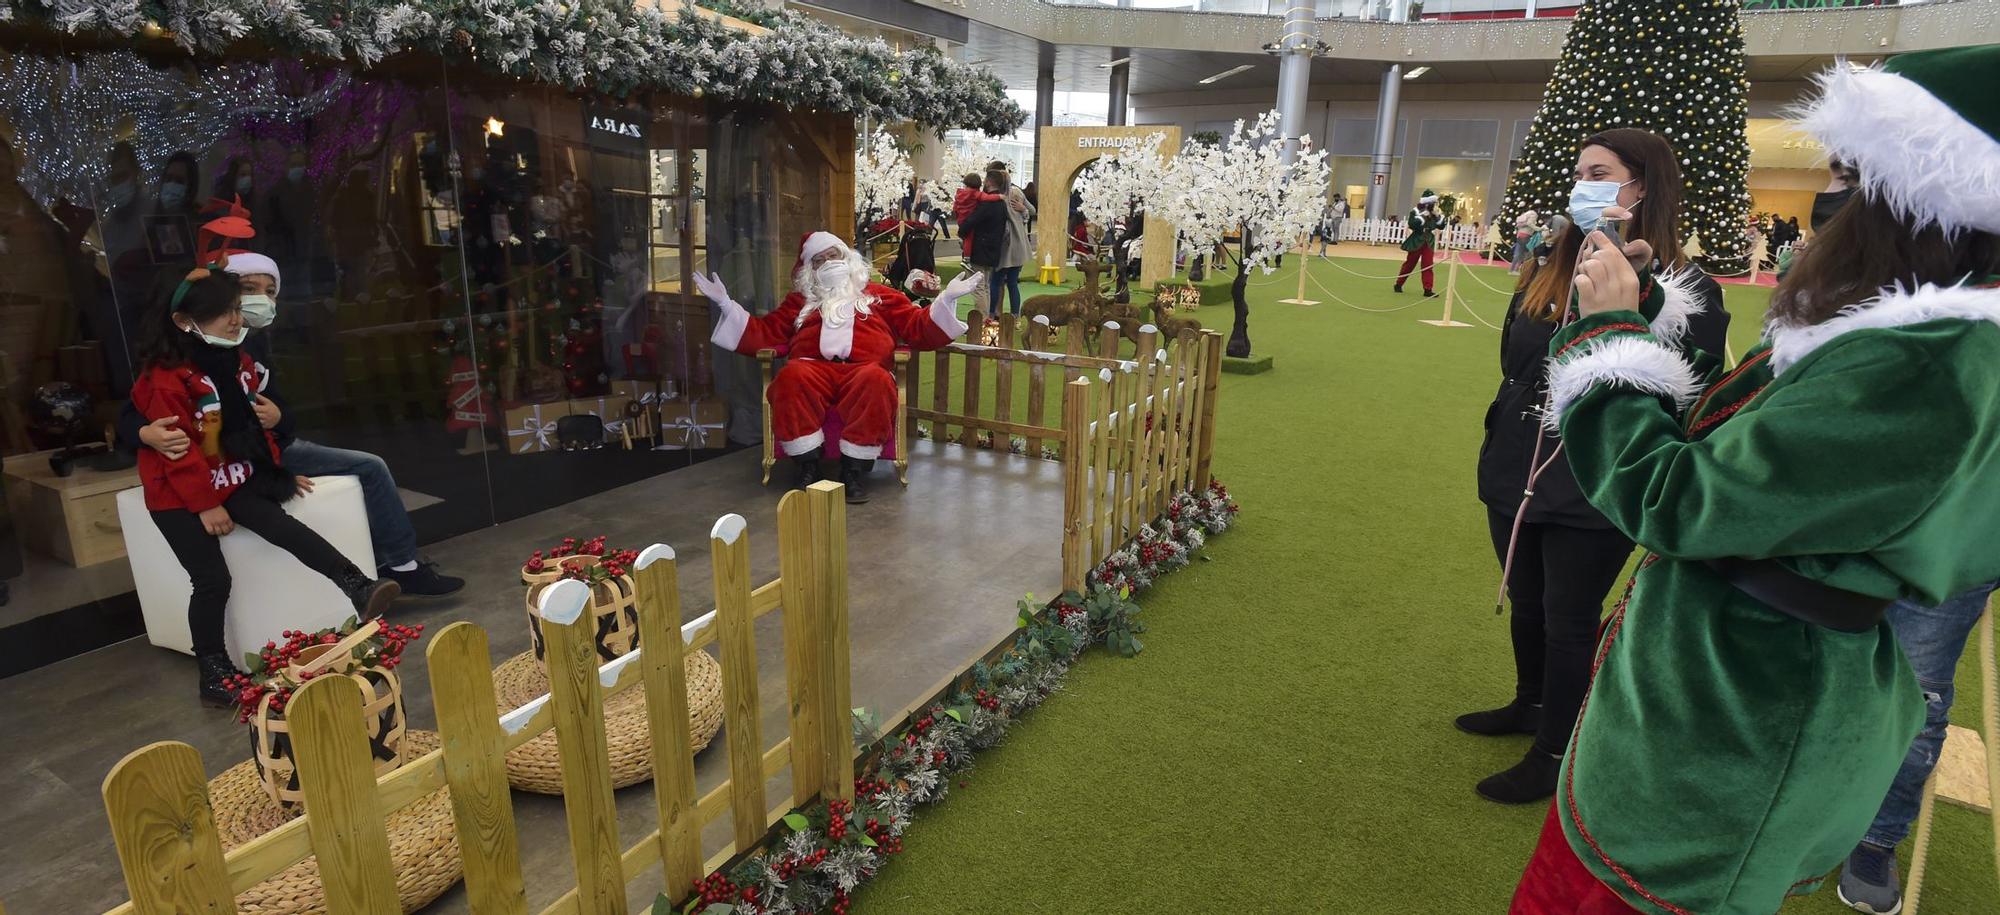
(1428,196)
(1923,131)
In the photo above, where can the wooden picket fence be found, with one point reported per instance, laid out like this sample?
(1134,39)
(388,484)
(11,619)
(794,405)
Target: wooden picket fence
(165,829)
(1131,434)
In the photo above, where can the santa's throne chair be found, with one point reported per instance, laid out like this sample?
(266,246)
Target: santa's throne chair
(896,450)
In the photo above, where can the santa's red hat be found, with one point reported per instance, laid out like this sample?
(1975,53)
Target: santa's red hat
(813,244)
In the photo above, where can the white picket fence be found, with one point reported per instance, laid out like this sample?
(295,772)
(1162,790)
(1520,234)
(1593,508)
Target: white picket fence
(1384,232)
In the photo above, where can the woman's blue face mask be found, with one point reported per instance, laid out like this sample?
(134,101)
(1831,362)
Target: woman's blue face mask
(1588,200)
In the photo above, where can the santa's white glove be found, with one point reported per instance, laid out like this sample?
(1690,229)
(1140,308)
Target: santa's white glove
(734,319)
(941,307)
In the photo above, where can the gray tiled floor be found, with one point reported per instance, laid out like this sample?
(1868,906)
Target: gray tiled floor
(934,571)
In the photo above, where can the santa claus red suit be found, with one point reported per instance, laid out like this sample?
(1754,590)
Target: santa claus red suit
(841,331)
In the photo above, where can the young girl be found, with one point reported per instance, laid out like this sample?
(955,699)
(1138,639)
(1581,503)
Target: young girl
(191,368)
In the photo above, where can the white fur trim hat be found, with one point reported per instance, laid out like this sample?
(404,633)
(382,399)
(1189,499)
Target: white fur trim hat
(246,263)
(1923,131)
(817,243)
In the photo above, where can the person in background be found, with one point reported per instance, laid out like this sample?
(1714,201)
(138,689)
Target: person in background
(1340,213)
(1009,236)
(1559,555)
(236,182)
(1751,703)
(394,538)
(968,199)
(170,227)
(1524,232)
(1425,221)
(193,374)
(1932,638)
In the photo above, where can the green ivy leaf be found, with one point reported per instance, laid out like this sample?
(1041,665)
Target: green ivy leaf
(1137,646)
(1022,621)
(661,906)
(867,841)
(955,716)
(253,662)
(798,823)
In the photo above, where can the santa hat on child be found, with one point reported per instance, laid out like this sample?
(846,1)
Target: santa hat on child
(1923,130)
(247,263)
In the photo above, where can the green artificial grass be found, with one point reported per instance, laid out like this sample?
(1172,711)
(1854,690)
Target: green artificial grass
(1285,742)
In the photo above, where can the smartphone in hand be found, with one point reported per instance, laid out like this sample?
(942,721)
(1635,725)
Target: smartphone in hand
(1613,229)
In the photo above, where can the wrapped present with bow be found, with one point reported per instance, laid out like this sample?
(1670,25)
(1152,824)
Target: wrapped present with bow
(694,423)
(532,427)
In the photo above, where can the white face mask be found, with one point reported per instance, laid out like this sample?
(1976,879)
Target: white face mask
(1588,200)
(259,310)
(834,272)
(224,342)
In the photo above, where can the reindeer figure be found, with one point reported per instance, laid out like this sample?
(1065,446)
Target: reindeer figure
(1170,326)
(1080,304)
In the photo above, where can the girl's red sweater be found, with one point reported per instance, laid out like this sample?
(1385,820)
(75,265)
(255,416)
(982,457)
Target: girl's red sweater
(195,482)
(962,205)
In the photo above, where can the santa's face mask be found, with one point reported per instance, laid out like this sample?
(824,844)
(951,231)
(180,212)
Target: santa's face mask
(834,273)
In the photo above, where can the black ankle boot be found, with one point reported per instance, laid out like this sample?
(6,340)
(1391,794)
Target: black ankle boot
(854,476)
(1530,780)
(215,668)
(1515,717)
(808,470)
(371,597)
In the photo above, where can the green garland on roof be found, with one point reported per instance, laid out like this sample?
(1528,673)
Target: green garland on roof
(612,46)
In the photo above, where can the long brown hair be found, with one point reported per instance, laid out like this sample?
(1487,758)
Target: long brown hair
(1867,247)
(1657,219)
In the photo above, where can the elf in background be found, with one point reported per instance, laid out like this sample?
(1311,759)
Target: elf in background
(1750,705)
(1424,223)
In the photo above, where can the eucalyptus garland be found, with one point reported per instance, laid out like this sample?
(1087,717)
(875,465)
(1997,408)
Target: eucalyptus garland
(611,46)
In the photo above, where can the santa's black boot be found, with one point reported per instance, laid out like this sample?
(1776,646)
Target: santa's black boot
(807,466)
(854,476)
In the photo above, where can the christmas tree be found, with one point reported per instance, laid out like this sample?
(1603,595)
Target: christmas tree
(1674,67)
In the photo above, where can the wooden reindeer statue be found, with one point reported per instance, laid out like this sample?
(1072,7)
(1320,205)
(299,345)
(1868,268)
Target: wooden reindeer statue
(1170,326)
(1085,303)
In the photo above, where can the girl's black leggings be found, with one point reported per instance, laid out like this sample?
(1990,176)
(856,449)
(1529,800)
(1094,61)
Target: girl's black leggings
(200,554)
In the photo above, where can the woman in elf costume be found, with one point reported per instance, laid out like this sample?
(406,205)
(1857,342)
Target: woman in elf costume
(1750,706)
(1424,223)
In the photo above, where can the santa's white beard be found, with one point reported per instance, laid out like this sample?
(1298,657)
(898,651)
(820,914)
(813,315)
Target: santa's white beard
(836,303)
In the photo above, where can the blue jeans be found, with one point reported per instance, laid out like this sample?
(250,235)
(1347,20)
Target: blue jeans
(1008,278)
(1932,638)
(388,522)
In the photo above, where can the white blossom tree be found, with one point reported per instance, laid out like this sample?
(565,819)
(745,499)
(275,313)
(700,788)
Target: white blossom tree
(1244,187)
(954,164)
(882,175)
(1117,187)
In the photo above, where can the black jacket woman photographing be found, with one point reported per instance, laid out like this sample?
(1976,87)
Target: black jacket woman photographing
(1565,555)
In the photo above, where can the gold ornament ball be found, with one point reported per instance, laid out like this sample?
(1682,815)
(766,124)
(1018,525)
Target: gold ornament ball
(152,30)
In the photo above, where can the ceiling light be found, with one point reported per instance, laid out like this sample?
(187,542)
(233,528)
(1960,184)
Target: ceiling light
(1109,64)
(1232,71)
(1413,74)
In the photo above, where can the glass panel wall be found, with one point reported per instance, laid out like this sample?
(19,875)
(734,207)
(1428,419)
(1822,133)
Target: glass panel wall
(484,282)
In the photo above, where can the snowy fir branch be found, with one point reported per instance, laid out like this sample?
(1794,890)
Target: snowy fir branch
(829,850)
(612,46)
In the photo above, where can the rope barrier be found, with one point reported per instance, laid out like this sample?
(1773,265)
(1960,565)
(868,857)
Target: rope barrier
(1330,294)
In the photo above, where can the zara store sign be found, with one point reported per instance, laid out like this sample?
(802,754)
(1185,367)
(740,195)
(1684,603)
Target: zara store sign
(616,129)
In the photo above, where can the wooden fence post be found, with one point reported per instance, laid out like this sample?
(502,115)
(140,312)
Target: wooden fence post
(971,398)
(1205,445)
(577,702)
(337,779)
(1109,416)
(157,798)
(940,394)
(475,766)
(1038,340)
(1107,340)
(1076,429)
(829,528)
(729,556)
(1003,386)
(1136,475)
(656,584)
(799,596)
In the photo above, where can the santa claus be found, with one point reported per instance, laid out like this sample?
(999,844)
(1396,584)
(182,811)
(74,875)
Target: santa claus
(841,330)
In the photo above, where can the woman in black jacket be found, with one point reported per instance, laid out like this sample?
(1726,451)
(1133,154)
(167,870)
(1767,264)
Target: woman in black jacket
(1567,556)
(986,225)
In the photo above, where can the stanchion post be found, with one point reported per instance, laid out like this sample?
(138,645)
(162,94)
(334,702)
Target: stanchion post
(1305,260)
(1450,290)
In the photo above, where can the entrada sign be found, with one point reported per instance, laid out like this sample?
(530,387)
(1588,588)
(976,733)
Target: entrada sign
(1106,142)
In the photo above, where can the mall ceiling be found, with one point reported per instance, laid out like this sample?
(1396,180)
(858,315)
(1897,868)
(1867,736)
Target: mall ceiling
(1012,57)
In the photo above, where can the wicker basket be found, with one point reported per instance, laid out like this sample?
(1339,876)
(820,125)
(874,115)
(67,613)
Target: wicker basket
(613,604)
(381,708)
(423,846)
(537,765)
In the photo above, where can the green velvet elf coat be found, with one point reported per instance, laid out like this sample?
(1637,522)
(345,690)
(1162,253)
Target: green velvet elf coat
(1728,755)
(1423,228)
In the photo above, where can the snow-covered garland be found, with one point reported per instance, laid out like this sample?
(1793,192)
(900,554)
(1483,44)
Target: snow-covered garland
(835,847)
(1168,543)
(611,46)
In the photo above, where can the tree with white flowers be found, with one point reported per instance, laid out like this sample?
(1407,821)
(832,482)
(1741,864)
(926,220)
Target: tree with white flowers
(953,166)
(882,175)
(1244,187)
(1118,187)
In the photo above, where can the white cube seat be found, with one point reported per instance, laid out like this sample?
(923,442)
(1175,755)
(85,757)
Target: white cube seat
(270,590)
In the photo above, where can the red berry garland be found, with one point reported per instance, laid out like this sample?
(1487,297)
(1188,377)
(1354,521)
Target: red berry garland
(383,651)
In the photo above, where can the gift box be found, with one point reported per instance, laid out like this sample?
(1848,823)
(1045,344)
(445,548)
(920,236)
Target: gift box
(609,408)
(531,427)
(688,424)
